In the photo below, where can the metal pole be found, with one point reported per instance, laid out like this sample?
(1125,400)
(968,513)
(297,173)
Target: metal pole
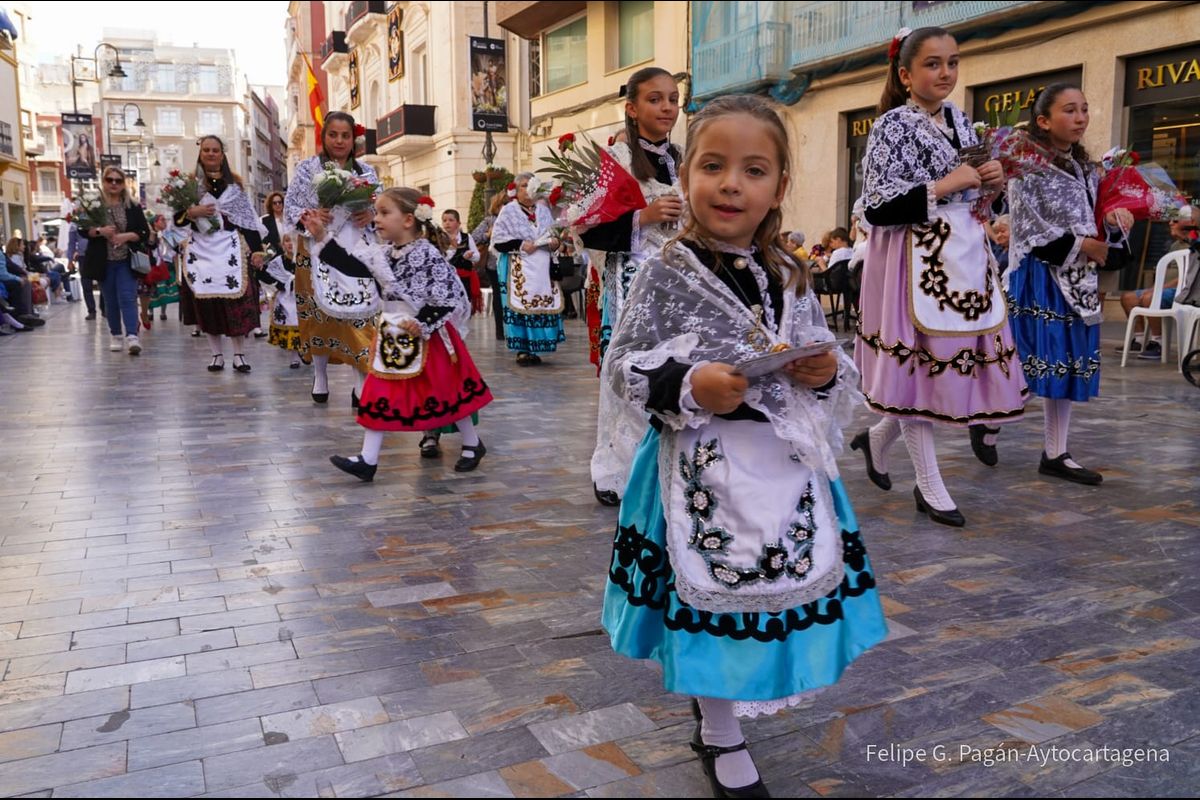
(489,145)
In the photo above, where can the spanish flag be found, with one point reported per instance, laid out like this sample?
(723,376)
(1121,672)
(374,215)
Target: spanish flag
(315,98)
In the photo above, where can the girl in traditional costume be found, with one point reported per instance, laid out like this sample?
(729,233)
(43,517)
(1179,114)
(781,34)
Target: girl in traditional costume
(532,299)
(220,293)
(934,343)
(336,315)
(1052,282)
(421,376)
(737,562)
(651,109)
(280,272)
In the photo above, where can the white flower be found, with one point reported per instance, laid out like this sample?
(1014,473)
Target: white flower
(534,184)
(1185,212)
(903,33)
(423,212)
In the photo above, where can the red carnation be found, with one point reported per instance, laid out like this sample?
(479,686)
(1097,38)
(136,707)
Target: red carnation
(426,200)
(894,49)
(555,195)
(1194,235)
(612,140)
(511,189)
(566,142)
(1134,158)
(174,173)
(359,130)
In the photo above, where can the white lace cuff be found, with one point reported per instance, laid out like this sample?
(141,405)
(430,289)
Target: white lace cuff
(930,200)
(635,234)
(687,403)
(1076,249)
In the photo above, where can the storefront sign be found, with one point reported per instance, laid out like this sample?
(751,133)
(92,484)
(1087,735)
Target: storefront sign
(858,126)
(995,98)
(1167,75)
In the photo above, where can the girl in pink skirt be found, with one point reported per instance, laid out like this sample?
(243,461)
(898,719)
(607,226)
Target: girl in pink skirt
(934,343)
(421,376)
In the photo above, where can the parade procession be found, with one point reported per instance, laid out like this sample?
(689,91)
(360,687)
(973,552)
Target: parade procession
(607,399)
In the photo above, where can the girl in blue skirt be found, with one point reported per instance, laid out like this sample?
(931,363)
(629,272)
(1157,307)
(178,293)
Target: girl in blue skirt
(737,562)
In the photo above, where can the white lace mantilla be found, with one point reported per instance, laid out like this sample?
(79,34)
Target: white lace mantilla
(512,223)
(302,196)
(235,206)
(1047,206)
(647,239)
(906,150)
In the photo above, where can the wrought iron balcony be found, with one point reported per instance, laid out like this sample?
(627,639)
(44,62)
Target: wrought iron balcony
(334,50)
(362,18)
(407,129)
(741,62)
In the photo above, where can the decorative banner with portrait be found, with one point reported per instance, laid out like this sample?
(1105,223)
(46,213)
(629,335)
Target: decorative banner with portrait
(110,160)
(489,91)
(354,84)
(395,43)
(79,150)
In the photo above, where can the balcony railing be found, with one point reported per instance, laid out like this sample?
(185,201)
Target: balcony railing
(334,45)
(48,199)
(827,30)
(394,130)
(797,37)
(361,10)
(761,54)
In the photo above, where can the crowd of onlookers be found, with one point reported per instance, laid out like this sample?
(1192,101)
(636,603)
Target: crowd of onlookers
(32,273)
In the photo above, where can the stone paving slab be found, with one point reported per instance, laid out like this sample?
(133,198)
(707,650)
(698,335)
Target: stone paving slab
(192,602)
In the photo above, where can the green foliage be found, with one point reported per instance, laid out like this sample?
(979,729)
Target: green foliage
(483,193)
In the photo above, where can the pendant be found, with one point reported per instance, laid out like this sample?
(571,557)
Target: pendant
(740,262)
(757,340)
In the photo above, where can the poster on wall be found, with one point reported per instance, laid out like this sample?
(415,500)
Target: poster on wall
(354,92)
(110,160)
(395,44)
(79,151)
(489,94)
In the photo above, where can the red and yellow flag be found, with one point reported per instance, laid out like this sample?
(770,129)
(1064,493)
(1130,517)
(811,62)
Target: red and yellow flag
(315,98)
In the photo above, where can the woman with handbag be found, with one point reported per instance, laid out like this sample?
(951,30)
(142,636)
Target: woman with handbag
(109,258)
(223,250)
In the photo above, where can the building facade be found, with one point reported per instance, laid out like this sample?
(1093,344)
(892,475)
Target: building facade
(305,35)
(14,172)
(266,171)
(581,53)
(1135,61)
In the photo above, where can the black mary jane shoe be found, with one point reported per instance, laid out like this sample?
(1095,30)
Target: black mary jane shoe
(242,366)
(218,364)
(355,466)
(708,754)
(983,451)
(429,445)
(534,359)
(195,333)
(863,442)
(320,397)
(354,400)
(608,498)
(1057,468)
(524,359)
(467,463)
(953,517)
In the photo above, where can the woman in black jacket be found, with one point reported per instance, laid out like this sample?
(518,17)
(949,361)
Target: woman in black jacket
(107,260)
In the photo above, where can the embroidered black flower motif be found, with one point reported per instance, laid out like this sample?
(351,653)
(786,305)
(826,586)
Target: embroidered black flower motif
(972,305)
(700,503)
(191,277)
(964,361)
(231,282)
(933,282)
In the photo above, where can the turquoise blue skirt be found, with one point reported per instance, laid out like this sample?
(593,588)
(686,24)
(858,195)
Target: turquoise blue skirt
(527,333)
(752,656)
(1059,353)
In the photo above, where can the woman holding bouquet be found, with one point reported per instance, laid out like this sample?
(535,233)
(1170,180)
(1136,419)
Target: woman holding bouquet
(934,343)
(220,293)
(533,301)
(326,338)
(280,272)
(1052,282)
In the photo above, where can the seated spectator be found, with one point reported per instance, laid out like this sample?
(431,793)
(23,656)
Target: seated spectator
(838,249)
(998,233)
(796,240)
(19,294)
(1181,230)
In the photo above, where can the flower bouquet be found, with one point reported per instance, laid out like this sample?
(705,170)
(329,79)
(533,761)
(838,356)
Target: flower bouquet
(90,211)
(1019,154)
(341,187)
(595,187)
(1145,190)
(181,192)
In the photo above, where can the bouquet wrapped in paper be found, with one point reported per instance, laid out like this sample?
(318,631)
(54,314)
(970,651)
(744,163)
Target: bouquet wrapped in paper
(1019,154)
(90,211)
(1145,190)
(341,187)
(595,187)
(181,192)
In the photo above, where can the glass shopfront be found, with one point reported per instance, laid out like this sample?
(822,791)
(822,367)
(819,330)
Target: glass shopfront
(1162,99)
(990,99)
(858,128)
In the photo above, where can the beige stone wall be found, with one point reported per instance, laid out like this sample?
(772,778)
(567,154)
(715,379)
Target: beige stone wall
(1097,40)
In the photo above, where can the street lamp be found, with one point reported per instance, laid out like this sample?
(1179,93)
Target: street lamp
(114,72)
(123,116)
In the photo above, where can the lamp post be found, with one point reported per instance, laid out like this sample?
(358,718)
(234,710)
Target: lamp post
(124,116)
(114,72)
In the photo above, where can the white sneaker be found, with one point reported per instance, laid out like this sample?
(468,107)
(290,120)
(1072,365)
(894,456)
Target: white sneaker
(117,344)
(135,346)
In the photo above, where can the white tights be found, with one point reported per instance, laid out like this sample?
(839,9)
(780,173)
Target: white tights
(883,435)
(918,437)
(722,729)
(1058,423)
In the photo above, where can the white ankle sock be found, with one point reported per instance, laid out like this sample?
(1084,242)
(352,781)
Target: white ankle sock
(372,444)
(918,437)
(720,727)
(214,342)
(990,439)
(467,429)
(883,435)
(1057,426)
(320,374)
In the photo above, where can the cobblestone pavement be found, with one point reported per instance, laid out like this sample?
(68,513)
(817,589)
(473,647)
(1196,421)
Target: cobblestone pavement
(194,602)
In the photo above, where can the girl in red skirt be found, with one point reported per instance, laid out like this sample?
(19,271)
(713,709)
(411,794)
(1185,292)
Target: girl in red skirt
(421,376)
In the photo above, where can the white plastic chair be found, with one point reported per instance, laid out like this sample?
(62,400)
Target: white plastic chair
(1187,323)
(1179,259)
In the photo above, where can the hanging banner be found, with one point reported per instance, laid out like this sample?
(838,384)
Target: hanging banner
(395,43)
(110,160)
(79,151)
(489,94)
(354,92)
